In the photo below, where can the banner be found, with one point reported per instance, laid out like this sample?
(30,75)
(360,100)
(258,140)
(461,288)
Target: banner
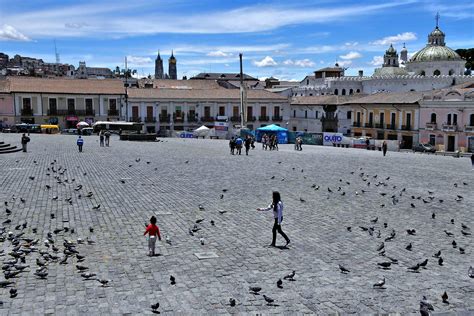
(221,126)
(332,138)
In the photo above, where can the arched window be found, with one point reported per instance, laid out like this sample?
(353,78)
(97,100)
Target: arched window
(336,92)
(436,72)
(343,92)
(449,119)
(471,120)
(433,118)
(351,91)
(358,90)
(307,81)
(422,73)
(455,119)
(451,72)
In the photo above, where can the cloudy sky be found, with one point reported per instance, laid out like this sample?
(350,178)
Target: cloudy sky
(284,39)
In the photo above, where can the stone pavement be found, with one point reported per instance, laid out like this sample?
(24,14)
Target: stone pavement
(183,174)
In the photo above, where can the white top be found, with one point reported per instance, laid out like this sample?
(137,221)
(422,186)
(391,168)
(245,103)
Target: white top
(278,214)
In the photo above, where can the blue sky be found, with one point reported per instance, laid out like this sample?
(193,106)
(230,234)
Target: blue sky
(284,39)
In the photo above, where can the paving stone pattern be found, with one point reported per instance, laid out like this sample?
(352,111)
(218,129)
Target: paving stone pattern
(183,174)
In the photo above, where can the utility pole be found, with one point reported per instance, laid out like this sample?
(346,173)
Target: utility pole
(126,89)
(243,96)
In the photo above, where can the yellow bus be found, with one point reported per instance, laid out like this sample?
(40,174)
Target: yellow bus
(49,129)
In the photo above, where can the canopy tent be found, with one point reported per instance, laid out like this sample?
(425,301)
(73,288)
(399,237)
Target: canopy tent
(280,132)
(82,124)
(201,131)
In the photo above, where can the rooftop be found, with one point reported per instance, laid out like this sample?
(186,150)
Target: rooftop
(221,76)
(66,86)
(389,98)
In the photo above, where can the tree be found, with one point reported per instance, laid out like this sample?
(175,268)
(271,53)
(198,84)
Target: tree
(468,55)
(122,73)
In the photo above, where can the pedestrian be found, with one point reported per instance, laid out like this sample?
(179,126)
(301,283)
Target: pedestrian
(275,142)
(277,207)
(101,138)
(472,161)
(153,232)
(24,141)
(247,143)
(264,141)
(384,148)
(232,145)
(367,143)
(238,145)
(252,142)
(80,142)
(107,138)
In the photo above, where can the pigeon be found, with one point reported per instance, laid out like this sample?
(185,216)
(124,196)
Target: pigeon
(445,297)
(424,263)
(88,275)
(290,276)
(411,232)
(172,280)
(385,265)
(103,282)
(454,244)
(349,228)
(255,289)
(464,227)
(4,284)
(213,223)
(168,240)
(13,293)
(381,246)
(202,241)
(464,233)
(232,302)
(155,307)
(41,274)
(279,284)
(409,247)
(373,221)
(96,207)
(222,196)
(222,212)
(302,200)
(433,216)
(81,268)
(91,229)
(64,260)
(414,268)
(343,270)
(412,205)
(449,234)
(425,307)
(440,261)
(269,300)
(437,255)
(461,250)
(470,272)
(32,178)
(380,284)
(199,220)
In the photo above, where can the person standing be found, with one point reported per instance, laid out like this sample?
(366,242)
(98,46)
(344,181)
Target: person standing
(277,207)
(472,161)
(153,232)
(101,138)
(107,138)
(238,145)
(24,141)
(248,142)
(232,145)
(80,142)
(384,148)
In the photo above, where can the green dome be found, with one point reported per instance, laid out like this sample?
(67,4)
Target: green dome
(437,32)
(435,53)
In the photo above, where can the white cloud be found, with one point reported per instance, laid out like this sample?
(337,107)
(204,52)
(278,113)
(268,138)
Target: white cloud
(138,60)
(299,63)
(218,53)
(8,32)
(351,55)
(404,37)
(351,43)
(345,63)
(377,61)
(75,25)
(265,62)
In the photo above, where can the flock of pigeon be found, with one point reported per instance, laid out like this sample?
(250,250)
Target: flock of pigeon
(24,249)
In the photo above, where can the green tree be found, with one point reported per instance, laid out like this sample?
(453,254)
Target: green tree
(468,55)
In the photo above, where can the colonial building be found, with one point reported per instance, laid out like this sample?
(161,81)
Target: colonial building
(84,72)
(65,101)
(391,116)
(171,109)
(447,118)
(7,112)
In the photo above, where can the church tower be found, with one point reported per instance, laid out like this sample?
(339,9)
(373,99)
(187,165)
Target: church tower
(404,54)
(159,67)
(172,71)
(390,58)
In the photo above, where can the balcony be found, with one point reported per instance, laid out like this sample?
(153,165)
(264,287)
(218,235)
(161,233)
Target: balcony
(449,128)
(192,117)
(207,119)
(71,112)
(27,112)
(113,113)
(391,126)
(406,127)
(469,128)
(251,118)
(164,118)
(235,118)
(431,126)
(356,124)
(178,118)
(277,118)
(150,119)
(263,118)
(135,119)
(369,125)
(379,126)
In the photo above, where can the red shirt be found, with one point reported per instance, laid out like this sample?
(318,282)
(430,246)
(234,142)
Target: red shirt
(153,230)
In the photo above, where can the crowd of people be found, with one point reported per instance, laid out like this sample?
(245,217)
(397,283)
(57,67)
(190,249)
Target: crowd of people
(236,144)
(269,142)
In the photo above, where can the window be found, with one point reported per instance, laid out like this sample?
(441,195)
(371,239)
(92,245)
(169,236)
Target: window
(451,72)
(336,92)
(358,118)
(449,119)
(26,103)
(305,114)
(371,118)
(276,111)
(207,111)
(408,120)
(89,108)
(249,113)
(53,106)
(351,92)
(235,111)
(432,139)
(392,121)
(307,81)
(178,112)
(436,72)
(343,92)
(71,106)
(349,115)
(294,113)
(455,119)
(113,104)
(422,73)
(222,110)
(433,118)
(381,119)
(263,111)
(471,120)
(317,114)
(358,90)
(294,128)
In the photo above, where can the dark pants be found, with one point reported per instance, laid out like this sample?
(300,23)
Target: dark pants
(232,148)
(80,148)
(239,149)
(247,148)
(24,147)
(384,151)
(107,141)
(277,228)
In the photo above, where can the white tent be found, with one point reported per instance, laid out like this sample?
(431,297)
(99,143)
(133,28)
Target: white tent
(201,131)
(82,124)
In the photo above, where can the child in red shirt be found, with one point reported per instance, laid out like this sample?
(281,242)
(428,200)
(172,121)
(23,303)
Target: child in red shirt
(153,231)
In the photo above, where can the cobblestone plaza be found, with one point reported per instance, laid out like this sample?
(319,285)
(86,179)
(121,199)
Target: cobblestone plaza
(183,181)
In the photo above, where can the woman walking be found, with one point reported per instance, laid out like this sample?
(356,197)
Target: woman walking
(277,207)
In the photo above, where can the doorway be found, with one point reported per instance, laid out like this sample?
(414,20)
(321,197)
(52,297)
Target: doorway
(451,142)
(407,142)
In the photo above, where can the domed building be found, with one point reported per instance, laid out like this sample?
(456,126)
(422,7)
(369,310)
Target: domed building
(390,66)
(436,59)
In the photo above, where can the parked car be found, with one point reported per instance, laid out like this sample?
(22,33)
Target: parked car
(70,131)
(87,131)
(424,148)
